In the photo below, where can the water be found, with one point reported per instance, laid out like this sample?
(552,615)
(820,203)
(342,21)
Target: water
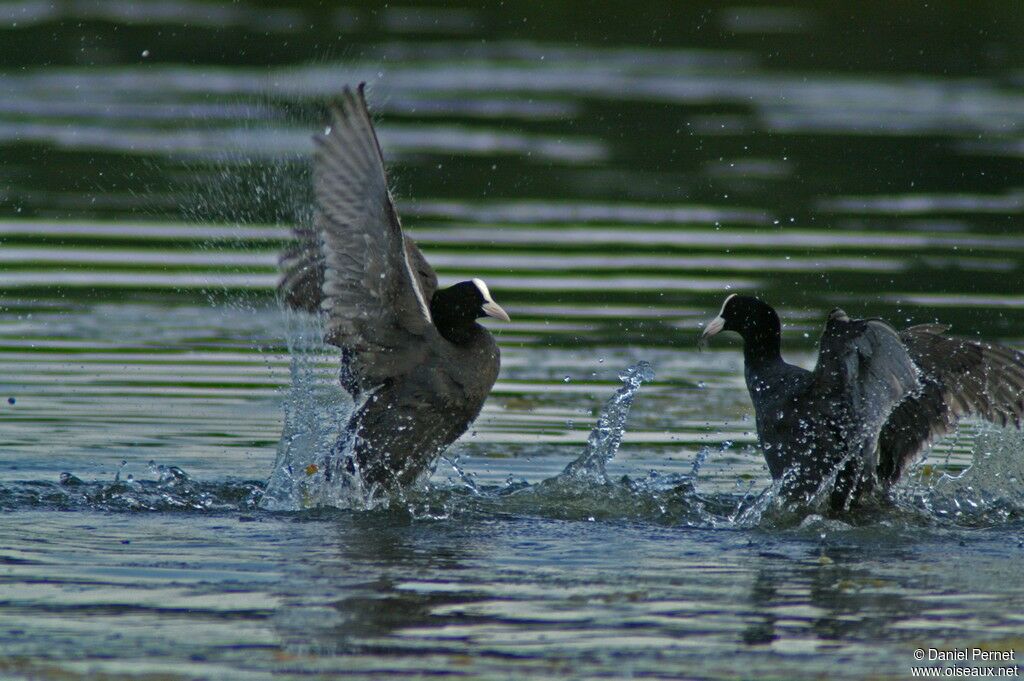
(611,181)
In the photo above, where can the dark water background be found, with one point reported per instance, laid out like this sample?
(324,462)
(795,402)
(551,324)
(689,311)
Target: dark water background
(611,170)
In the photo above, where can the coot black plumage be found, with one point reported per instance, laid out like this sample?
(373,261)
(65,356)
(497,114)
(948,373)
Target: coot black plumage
(874,400)
(413,355)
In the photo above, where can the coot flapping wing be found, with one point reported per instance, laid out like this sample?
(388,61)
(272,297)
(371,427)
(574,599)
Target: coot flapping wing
(959,377)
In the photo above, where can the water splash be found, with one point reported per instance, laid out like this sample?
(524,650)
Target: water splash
(584,491)
(172,490)
(606,436)
(316,410)
(988,492)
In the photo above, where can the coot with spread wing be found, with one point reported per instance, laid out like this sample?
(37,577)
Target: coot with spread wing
(873,402)
(413,354)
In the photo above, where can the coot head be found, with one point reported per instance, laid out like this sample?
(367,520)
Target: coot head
(750,317)
(455,309)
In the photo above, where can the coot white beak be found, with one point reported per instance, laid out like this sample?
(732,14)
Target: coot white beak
(492,309)
(713,328)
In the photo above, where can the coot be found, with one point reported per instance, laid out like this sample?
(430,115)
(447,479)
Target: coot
(413,355)
(874,400)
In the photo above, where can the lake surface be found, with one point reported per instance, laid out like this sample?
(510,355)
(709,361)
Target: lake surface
(611,179)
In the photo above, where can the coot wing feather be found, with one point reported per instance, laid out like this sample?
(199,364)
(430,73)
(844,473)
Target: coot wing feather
(959,377)
(373,289)
(372,295)
(863,373)
(302,269)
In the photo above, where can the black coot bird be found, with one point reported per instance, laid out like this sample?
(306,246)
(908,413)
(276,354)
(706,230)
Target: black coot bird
(413,356)
(875,399)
